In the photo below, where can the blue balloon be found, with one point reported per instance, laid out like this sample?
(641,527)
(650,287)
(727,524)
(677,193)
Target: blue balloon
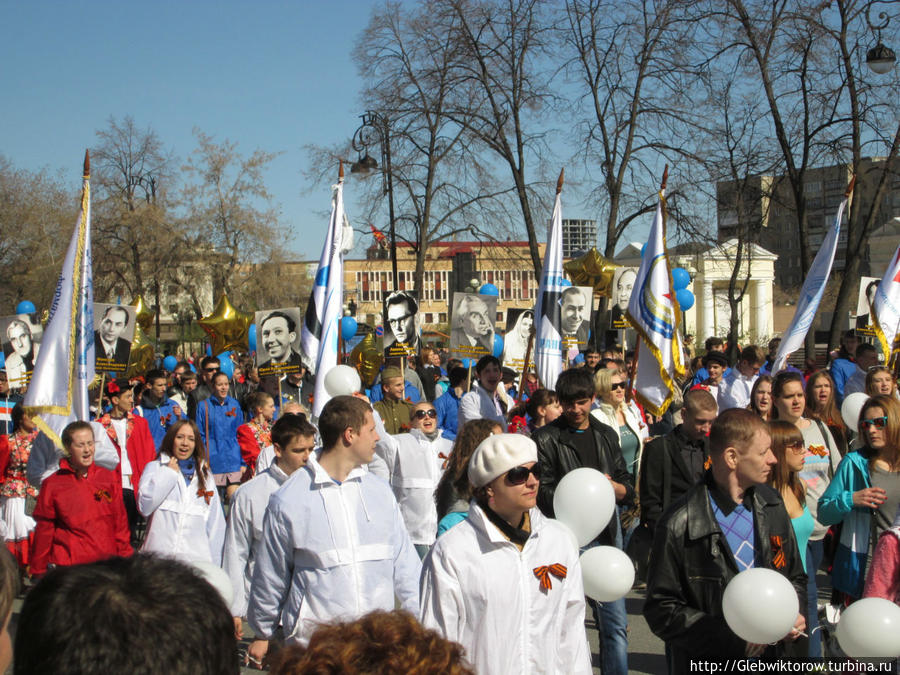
(209,350)
(468,363)
(685,299)
(193,367)
(25,307)
(565,283)
(643,248)
(489,289)
(2,359)
(169,363)
(251,337)
(226,365)
(681,278)
(498,346)
(348,327)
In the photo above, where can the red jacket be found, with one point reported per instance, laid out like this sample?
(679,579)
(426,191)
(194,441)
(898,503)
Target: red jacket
(139,445)
(252,439)
(79,520)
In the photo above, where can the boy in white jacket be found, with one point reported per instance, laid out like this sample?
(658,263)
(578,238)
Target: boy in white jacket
(293,439)
(506,582)
(334,545)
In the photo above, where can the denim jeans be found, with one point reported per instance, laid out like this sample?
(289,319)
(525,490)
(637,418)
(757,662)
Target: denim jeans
(814,554)
(612,625)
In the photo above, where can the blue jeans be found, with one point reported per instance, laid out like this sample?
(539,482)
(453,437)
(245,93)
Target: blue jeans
(814,554)
(612,625)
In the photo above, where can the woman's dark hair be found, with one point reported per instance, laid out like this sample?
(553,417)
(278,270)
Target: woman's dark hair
(18,412)
(539,399)
(829,413)
(781,380)
(199,454)
(485,361)
(454,484)
(762,379)
(782,434)
(891,408)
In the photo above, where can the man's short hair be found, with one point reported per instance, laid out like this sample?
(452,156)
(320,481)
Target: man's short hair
(458,375)
(570,290)
(209,361)
(715,357)
(340,413)
(696,400)
(753,354)
(140,615)
(18,322)
(463,308)
(398,297)
(865,348)
(734,428)
(72,428)
(574,384)
(485,361)
(188,375)
(119,308)
(773,343)
(291,324)
(290,426)
(154,374)
(713,341)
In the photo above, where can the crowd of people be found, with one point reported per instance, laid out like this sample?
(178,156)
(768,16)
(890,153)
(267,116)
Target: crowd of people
(433,491)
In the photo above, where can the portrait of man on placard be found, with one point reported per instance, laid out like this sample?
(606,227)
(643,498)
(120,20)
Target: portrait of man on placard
(623,283)
(575,304)
(867,288)
(401,324)
(113,334)
(472,328)
(20,335)
(278,341)
(515,342)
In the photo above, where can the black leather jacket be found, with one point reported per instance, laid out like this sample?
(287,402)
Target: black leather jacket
(691,563)
(557,458)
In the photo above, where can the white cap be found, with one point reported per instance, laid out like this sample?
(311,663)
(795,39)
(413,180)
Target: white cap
(497,454)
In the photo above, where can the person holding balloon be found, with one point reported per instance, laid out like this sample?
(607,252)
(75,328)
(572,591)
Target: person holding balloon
(729,522)
(506,583)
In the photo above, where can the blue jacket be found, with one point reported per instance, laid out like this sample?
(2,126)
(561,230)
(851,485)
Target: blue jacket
(447,407)
(841,370)
(159,417)
(224,420)
(836,506)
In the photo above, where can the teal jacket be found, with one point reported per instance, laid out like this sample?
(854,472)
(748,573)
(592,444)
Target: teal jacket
(836,506)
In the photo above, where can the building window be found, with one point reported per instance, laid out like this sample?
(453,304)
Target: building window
(442,317)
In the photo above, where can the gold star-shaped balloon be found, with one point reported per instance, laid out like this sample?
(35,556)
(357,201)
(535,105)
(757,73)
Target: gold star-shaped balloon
(227,327)
(593,270)
(142,312)
(367,358)
(141,358)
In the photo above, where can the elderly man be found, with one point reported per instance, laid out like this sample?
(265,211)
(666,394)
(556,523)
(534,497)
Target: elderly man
(473,328)
(393,407)
(575,314)
(20,363)
(729,522)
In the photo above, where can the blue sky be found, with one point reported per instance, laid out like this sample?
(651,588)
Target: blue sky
(269,75)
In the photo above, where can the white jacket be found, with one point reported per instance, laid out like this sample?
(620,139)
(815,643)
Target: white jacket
(607,414)
(244,534)
(415,466)
(330,552)
(479,404)
(478,589)
(183,524)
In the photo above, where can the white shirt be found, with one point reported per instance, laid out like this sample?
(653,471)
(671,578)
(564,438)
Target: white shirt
(415,466)
(478,589)
(184,525)
(479,404)
(734,390)
(330,552)
(44,458)
(119,426)
(243,536)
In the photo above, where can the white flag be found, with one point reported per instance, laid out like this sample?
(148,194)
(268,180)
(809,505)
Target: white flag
(885,311)
(319,332)
(654,313)
(811,293)
(548,353)
(58,392)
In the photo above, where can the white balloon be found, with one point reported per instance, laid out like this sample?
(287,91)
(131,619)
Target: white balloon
(217,578)
(760,605)
(584,501)
(342,381)
(608,573)
(870,628)
(851,407)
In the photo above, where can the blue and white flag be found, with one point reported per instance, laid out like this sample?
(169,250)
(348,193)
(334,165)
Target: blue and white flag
(655,315)
(319,332)
(812,291)
(58,391)
(548,348)
(885,310)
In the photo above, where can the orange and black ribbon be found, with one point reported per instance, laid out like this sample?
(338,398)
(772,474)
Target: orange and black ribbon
(206,494)
(544,571)
(818,450)
(231,413)
(444,457)
(777,552)
(101,495)
(707,463)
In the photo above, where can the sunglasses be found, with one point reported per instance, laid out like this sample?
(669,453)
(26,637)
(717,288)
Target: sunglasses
(878,422)
(519,474)
(616,385)
(422,414)
(797,446)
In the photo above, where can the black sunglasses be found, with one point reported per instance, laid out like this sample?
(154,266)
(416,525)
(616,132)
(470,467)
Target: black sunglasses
(519,474)
(422,414)
(616,385)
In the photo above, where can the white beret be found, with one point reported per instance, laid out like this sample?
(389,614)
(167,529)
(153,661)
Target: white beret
(497,454)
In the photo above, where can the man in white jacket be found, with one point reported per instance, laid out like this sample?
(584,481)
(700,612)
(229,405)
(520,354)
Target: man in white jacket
(293,439)
(415,464)
(334,545)
(506,582)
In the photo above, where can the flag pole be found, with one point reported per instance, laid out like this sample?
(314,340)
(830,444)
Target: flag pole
(531,334)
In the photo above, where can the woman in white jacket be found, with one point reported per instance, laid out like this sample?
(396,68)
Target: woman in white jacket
(506,582)
(625,419)
(178,494)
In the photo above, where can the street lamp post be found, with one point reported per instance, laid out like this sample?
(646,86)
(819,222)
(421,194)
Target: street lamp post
(376,128)
(879,58)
